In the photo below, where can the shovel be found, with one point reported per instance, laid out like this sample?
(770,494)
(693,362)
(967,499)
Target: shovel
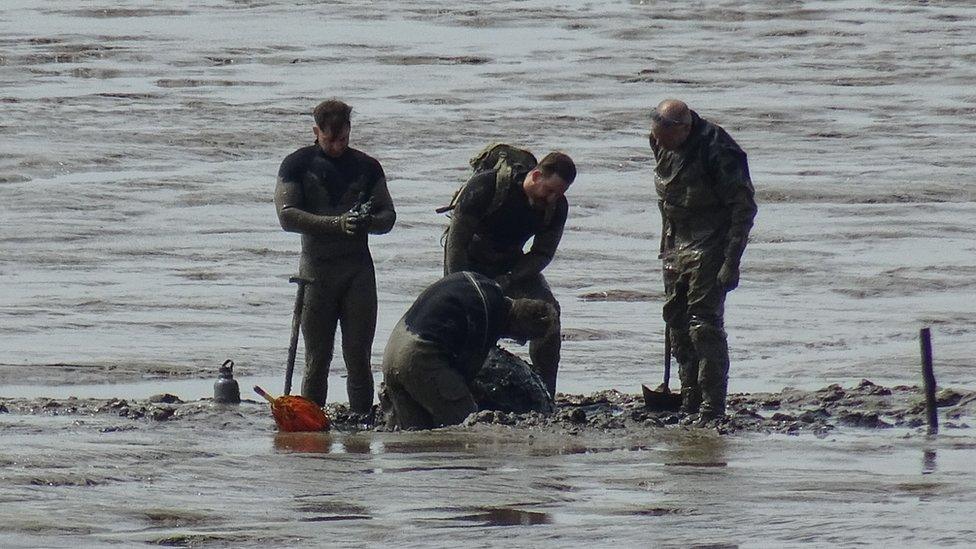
(662,399)
(293,413)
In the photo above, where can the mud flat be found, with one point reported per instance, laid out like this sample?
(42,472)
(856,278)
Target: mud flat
(790,411)
(839,466)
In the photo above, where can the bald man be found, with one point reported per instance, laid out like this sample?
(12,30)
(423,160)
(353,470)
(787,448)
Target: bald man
(707,207)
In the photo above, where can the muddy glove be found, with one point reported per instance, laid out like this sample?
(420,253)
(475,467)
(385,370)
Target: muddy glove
(728,275)
(504,280)
(353,223)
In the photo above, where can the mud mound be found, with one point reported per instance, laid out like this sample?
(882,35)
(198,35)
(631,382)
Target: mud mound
(506,383)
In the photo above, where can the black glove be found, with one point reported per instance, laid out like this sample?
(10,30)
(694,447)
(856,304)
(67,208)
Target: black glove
(353,223)
(504,280)
(728,276)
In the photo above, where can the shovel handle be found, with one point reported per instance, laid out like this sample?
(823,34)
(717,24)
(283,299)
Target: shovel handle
(667,356)
(296,324)
(264,393)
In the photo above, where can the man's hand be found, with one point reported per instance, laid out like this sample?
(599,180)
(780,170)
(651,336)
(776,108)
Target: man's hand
(504,280)
(353,223)
(728,276)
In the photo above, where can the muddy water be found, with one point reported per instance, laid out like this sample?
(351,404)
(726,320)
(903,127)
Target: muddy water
(229,481)
(139,147)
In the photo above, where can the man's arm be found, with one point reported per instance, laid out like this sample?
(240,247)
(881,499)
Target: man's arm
(382,212)
(544,245)
(289,201)
(737,193)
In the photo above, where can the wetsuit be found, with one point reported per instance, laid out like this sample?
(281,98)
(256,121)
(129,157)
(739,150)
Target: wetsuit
(313,192)
(707,204)
(491,243)
(439,346)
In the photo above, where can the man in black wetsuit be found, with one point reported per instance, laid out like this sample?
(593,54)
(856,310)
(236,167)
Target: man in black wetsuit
(442,341)
(490,241)
(334,196)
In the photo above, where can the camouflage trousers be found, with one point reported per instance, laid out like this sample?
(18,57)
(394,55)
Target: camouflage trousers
(425,390)
(694,311)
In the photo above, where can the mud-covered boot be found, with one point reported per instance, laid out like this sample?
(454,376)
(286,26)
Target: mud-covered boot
(712,406)
(713,370)
(691,399)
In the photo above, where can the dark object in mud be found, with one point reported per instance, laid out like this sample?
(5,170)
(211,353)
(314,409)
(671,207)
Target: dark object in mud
(928,376)
(507,383)
(226,390)
(164,398)
(662,399)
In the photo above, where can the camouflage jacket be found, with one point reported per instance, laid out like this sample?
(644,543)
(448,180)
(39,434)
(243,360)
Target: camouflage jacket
(704,192)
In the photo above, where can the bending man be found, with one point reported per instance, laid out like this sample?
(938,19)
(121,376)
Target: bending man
(442,341)
(489,239)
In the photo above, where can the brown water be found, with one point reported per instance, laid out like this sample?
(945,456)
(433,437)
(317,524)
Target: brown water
(229,481)
(139,147)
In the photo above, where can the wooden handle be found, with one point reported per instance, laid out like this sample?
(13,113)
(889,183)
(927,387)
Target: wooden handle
(264,393)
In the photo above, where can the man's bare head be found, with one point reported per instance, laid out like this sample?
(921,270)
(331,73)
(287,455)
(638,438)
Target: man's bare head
(671,123)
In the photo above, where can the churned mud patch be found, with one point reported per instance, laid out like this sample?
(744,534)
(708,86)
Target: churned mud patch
(112,13)
(790,411)
(433,60)
(63,373)
(223,539)
(501,516)
(620,295)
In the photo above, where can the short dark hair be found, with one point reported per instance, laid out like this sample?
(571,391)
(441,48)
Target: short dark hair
(560,164)
(332,116)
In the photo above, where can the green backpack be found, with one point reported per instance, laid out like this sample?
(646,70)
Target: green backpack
(509,161)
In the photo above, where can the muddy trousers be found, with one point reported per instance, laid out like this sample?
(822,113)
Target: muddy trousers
(343,295)
(425,390)
(544,351)
(694,311)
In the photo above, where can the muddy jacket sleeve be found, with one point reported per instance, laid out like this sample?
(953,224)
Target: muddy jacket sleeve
(544,244)
(473,202)
(384,216)
(734,186)
(289,202)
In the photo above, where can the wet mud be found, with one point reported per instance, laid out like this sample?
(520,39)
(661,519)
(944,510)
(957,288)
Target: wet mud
(790,411)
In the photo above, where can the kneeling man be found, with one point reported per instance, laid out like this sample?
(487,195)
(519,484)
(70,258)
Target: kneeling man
(442,341)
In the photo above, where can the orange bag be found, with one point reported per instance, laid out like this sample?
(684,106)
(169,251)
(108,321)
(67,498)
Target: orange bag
(295,413)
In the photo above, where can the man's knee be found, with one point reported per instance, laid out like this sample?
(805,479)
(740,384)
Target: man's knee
(454,400)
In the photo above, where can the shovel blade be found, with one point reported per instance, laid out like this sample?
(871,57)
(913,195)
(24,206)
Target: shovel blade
(661,399)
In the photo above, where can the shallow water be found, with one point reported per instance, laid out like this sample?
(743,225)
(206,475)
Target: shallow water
(140,246)
(232,482)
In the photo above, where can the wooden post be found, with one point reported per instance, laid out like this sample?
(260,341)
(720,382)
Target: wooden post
(928,377)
